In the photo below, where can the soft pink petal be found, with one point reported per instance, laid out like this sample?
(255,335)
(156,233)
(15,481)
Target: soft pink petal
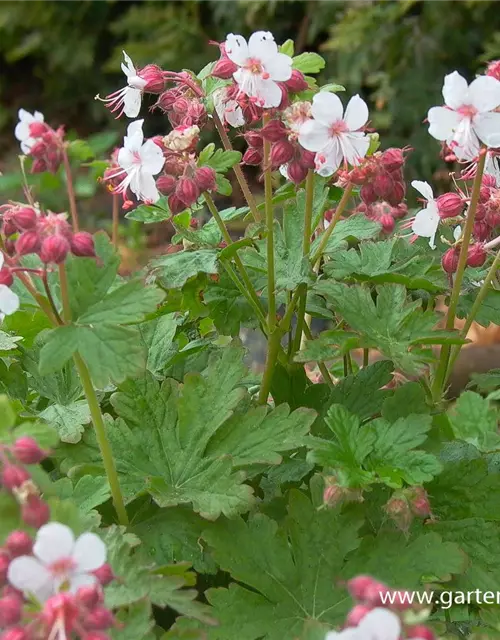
(81,580)
(313,135)
(261,45)
(455,90)
(327,108)
(152,159)
(29,575)
(443,122)
(279,67)
(423,188)
(236,49)
(380,624)
(9,301)
(484,93)
(53,542)
(354,146)
(89,552)
(356,113)
(487,128)
(26,116)
(132,99)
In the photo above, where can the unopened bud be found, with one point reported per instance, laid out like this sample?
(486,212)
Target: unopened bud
(15,633)
(296,172)
(153,75)
(166,184)
(397,194)
(25,218)
(333,495)
(187,191)
(400,211)
(481,211)
(9,228)
(482,229)
(4,565)
(254,139)
(356,614)
(252,156)
(398,510)
(10,610)
(420,631)
(296,82)
(449,261)
(375,592)
(484,194)
(99,618)
(368,194)
(274,130)
(402,600)
(281,153)
(205,178)
(392,159)
(6,277)
(104,574)
(387,222)
(54,249)
(224,68)
(27,451)
(90,595)
(489,181)
(82,244)
(13,476)
(419,502)
(175,205)
(28,242)
(357,586)
(476,255)
(383,185)
(19,543)
(35,512)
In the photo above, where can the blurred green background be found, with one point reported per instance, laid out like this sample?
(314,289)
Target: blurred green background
(55,56)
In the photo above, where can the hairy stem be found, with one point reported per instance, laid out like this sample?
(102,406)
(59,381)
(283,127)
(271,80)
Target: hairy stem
(71,190)
(273,348)
(43,303)
(116,220)
(442,369)
(338,213)
(50,298)
(321,365)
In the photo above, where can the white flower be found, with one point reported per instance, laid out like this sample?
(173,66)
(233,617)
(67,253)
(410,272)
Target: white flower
(335,136)
(261,66)
(22,130)
(140,161)
(228,109)
(378,624)
(427,220)
(9,301)
(127,100)
(58,561)
(468,116)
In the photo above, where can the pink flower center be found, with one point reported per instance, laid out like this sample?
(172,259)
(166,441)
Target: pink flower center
(137,157)
(467,111)
(255,66)
(337,127)
(62,568)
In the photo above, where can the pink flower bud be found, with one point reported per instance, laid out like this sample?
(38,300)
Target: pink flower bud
(387,222)
(15,633)
(10,610)
(281,153)
(28,242)
(420,631)
(274,130)
(4,565)
(181,105)
(6,277)
(383,185)
(54,249)
(90,596)
(153,75)
(482,229)
(224,68)
(104,574)
(368,194)
(82,244)
(196,113)
(449,205)
(449,261)
(166,184)
(25,218)
(357,586)
(8,228)
(35,512)
(307,159)
(373,593)
(296,82)
(205,178)
(398,510)
(19,543)
(9,247)
(96,635)
(481,211)
(476,255)
(252,156)
(489,181)
(296,172)
(400,211)
(356,614)
(175,205)
(392,159)
(492,217)
(397,194)
(99,618)
(27,451)
(13,476)
(493,70)
(333,495)
(187,191)
(484,194)
(358,175)
(254,139)
(39,166)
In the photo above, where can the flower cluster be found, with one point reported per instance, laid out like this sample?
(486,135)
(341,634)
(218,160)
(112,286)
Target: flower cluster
(182,106)
(39,141)
(406,504)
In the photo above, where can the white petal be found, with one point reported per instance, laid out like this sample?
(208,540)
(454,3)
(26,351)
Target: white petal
(443,122)
(38,117)
(22,130)
(81,580)
(455,90)
(261,45)
(233,114)
(327,108)
(356,113)
(423,188)
(29,575)
(53,542)
(26,145)
(126,159)
(89,552)
(132,102)
(380,624)
(487,128)
(236,49)
(136,83)
(466,143)
(269,92)
(128,68)
(328,160)
(2,259)
(457,232)
(425,224)
(313,135)
(144,186)
(484,93)
(152,159)
(354,146)
(9,301)
(25,116)
(279,67)
(135,136)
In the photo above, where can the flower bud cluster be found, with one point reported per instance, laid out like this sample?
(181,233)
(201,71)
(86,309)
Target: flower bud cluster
(335,494)
(406,504)
(182,106)
(40,141)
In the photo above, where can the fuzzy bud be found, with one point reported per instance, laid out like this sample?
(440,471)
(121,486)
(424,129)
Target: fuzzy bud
(19,543)
(373,593)
(13,476)
(252,156)
(11,607)
(358,586)
(449,261)
(274,130)
(484,194)
(356,614)
(6,276)
(187,191)
(392,159)
(254,139)
(400,211)
(27,451)
(419,502)
(481,211)
(99,618)
(90,596)
(476,255)
(296,82)
(482,229)
(8,228)
(104,574)
(368,194)
(25,218)
(387,222)
(205,178)
(398,510)
(224,68)
(54,249)
(420,631)
(35,512)
(175,205)
(333,495)
(82,244)
(15,633)
(4,565)
(281,153)
(492,218)
(297,172)
(383,185)
(28,242)
(397,194)
(489,181)
(449,205)
(166,184)
(153,75)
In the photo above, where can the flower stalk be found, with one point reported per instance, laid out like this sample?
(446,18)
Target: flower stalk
(70,189)
(338,214)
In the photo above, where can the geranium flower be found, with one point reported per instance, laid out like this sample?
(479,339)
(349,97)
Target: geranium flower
(227,108)
(426,221)
(140,161)
(9,301)
(59,562)
(23,128)
(127,100)
(468,116)
(333,135)
(261,66)
(379,624)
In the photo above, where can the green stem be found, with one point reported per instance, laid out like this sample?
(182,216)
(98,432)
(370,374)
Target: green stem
(95,411)
(268,191)
(442,369)
(273,348)
(338,213)
(257,308)
(50,298)
(237,169)
(321,365)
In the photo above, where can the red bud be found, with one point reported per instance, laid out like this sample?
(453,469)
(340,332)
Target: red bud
(449,205)
(54,249)
(373,593)
(449,261)
(254,139)
(387,222)
(10,610)
(38,129)
(252,156)
(296,82)
(25,218)
(484,194)
(104,574)
(482,229)
(481,211)
(6,277)
(175,205)
(4,565)
(476,255)
(153,75)
(420,631)
(274,130)
(402,600)
(166,184)
(492,218)
(368,194)
(398,510)
(13,476)
(281,153)
(400,211)
(224,68)
(28,242)
(296,172)
(90,595)
(15,633)
(19,543)
(397,194)
(489,181)
(82,244)
(392,159)
(383,185)
(205,178)
(35,512)
(99,618)
(27,451)
(187,191)
(357,586)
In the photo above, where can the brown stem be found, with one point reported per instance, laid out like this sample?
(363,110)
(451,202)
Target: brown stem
(71,190)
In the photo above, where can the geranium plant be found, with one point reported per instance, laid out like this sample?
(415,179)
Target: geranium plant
(155,486)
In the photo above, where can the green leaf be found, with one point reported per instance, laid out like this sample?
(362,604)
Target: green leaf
(221,161)
(128,303)
(88,493)
(158,336)
(7,413)
(487,313)
(206,153)
(332,87)
(228,308)
(287,48)
(355,228)
(150,213)
(407,399)
(224,187)
(8,342)
(80,150)
(68,420)
(136,622)
(13,381)
(62,387)
(309,63)
(486,382)
(475,421)
(60,345)
(175,269)
(328,346)
(11,515)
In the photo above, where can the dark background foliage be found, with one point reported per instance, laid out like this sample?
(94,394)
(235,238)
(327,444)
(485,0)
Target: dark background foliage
(56,55)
